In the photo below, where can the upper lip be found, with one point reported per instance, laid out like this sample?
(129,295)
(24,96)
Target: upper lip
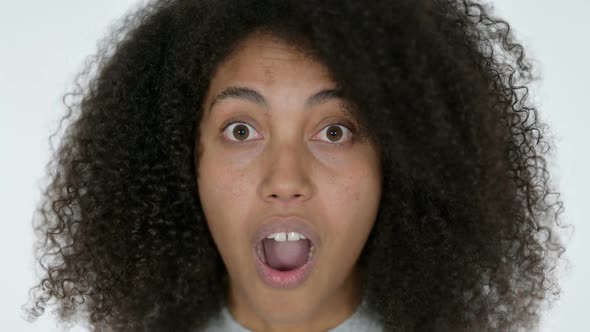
(290,223)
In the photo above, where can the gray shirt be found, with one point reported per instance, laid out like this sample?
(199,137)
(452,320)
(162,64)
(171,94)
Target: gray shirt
(362,320)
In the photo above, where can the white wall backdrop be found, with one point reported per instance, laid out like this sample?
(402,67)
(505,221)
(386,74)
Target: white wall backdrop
(43,44)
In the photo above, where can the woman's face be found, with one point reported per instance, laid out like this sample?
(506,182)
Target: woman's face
(290,157)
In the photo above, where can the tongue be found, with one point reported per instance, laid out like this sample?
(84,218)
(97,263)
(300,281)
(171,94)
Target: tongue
(286,255)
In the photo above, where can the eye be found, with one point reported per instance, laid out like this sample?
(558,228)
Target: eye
(239,130)
(335,131)
(242,131)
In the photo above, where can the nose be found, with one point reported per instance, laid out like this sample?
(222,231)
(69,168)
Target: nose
(287,179)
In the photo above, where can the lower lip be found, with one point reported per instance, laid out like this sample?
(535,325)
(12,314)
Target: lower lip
(284,279)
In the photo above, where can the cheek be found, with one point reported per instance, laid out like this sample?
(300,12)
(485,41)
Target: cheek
(359,187)
(224,196)
(222,181)
(354,203)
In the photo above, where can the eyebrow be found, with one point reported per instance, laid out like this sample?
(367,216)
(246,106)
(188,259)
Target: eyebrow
(254,96)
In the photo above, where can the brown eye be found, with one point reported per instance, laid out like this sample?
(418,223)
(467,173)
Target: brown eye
(335,132)
(238,131)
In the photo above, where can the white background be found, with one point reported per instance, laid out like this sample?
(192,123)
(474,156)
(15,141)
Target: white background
(43,44)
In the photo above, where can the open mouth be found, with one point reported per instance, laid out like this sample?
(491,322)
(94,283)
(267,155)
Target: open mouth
(284,259)
(285,251)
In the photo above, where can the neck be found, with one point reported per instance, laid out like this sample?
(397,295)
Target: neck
(325,315)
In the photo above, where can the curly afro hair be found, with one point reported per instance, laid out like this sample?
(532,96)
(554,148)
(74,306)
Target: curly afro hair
(466,235)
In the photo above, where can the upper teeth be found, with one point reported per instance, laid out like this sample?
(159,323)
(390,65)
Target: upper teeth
(290,236)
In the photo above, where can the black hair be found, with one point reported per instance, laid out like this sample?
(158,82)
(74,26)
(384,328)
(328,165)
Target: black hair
(465,237)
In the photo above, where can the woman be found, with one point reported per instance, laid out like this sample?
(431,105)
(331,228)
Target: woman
(302,166)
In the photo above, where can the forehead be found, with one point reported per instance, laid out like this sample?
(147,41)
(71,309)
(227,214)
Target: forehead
(263,58)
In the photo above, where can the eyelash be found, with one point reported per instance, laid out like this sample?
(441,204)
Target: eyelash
(345,124)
